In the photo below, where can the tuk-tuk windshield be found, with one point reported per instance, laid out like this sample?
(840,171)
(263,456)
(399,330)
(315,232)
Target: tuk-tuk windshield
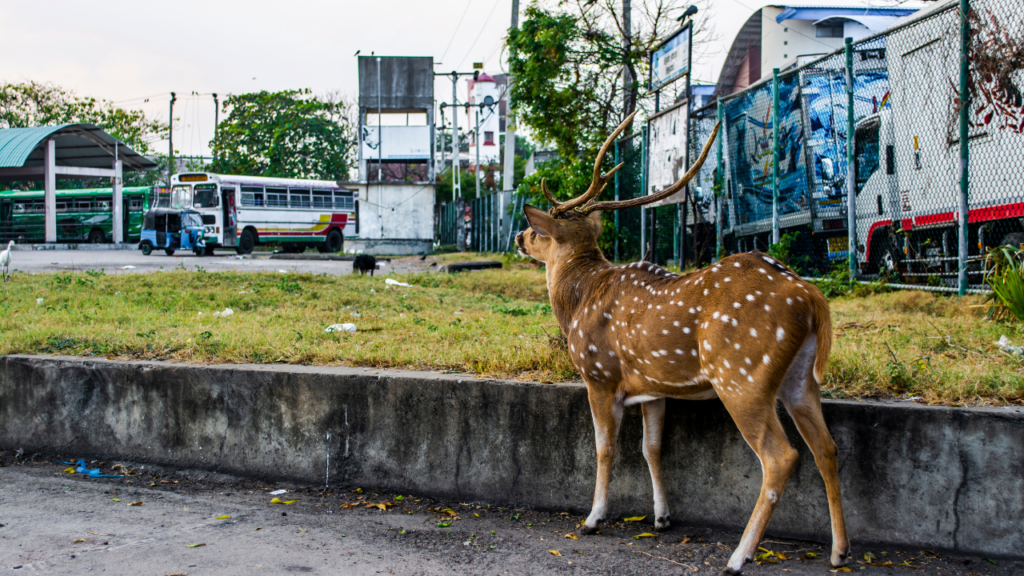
(191,219)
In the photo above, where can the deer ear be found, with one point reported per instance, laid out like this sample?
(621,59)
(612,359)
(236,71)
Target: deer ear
(541,222)
(595,221)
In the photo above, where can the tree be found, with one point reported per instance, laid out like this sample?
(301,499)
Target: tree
(32,103)
(289,134)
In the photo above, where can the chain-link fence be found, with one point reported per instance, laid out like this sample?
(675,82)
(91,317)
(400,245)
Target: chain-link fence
(905,206)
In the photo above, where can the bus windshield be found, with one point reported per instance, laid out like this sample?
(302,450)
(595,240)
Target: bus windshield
(205,196)
(181,197)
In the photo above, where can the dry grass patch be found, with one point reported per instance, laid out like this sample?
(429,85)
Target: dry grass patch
(496,323)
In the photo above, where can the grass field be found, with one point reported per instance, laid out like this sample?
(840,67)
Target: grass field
(493,323)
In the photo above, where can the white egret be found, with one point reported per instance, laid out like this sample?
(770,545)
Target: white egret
(5,258)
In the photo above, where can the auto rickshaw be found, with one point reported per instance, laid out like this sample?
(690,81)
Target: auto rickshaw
(172,229)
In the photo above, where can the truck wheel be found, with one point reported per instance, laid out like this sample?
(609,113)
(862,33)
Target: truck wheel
(97,237)
(1014,239)
(246,242)
(169,251)
(332,244)
(147,248)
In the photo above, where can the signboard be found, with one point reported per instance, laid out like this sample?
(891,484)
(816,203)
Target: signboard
(667,152)
(400,143)
(671,60)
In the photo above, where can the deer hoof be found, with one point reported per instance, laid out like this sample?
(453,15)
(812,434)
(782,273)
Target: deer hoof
(661,524)
(839,559)
(729,571)
(585,530)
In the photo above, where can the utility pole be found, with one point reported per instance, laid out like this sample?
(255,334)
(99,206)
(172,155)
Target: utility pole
(476,138)
(627,43)
(380,148)
(170,141)
(216,118)
(510,131)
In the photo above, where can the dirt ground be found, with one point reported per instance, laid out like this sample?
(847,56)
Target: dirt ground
(194,522)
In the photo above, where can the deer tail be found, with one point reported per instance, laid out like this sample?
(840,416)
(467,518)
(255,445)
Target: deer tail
(822,321)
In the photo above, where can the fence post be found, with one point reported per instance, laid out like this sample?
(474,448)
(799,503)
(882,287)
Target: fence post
(965,39)
(851,176)
(775,156)
(720,188)
(616,212)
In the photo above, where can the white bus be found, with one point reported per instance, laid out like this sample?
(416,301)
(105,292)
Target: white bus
(241,212)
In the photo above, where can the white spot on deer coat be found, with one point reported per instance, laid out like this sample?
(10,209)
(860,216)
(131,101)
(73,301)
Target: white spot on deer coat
(750,297)
(765,359)
(780,333)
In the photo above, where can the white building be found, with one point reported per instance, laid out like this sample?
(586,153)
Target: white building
(483,91)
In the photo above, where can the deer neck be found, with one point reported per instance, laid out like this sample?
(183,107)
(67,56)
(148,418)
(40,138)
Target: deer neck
(570,280)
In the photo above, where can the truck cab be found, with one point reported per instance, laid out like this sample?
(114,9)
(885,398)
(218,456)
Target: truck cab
(876,185)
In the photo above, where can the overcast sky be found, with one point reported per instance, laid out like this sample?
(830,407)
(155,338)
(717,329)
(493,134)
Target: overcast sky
(131,51)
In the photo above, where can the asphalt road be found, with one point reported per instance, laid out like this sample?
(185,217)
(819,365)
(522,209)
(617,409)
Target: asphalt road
(132,261)
(60,523)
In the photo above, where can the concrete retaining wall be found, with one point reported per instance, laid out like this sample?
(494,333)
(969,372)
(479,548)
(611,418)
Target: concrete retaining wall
(935,478)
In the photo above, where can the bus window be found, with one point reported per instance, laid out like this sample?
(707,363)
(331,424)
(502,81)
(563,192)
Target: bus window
(181,197)
(205,196)
(252,196)
(103,204)
(136,203)
(83,205)
(299,198)
(322,199)
(22,207)
(39,207)
(277,197)
(343,201)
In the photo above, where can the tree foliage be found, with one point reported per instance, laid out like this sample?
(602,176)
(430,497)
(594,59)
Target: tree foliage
(28,104)
(288,134)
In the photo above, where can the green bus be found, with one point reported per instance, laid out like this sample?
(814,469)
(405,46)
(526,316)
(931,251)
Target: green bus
(84,215)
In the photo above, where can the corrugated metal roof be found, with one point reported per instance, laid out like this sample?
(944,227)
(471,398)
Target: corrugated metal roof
(17,143)
(83,145)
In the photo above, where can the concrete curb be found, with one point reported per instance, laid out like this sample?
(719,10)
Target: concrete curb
(930,477)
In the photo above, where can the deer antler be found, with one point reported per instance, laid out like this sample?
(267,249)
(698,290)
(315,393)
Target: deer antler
(642,200)
(599,181)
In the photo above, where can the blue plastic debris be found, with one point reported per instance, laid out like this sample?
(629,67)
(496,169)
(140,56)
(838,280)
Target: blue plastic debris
(93,473)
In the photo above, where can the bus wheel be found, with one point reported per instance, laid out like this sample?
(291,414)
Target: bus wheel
(246,242)
(332,244)
(97,237)
(147,248)
(169,251)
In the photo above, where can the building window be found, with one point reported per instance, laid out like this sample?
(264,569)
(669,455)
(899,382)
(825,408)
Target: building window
(828,30)
(488,138)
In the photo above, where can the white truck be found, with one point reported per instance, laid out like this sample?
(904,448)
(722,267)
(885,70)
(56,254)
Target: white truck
(907,157)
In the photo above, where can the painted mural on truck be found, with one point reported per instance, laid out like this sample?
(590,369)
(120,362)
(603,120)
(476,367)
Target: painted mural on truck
(750,125)
(824,93)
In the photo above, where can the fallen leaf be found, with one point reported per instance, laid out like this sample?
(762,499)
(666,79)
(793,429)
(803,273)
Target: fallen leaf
(69,470)
(555,552)
(475,514)
(349,506)
(139,503)
(781,556)
(279,501)
(382,505)
(572,536)
(869,556)
(809,556)
(399,498)
(195,545)
(117,499)
(224,517)
(645,535)
(889,563)
(685,539)
(357,490)
(79,540)
(301,530)
(841,569)
(257,528)
(443,524)
(634,519)
(992,561)
(401,531)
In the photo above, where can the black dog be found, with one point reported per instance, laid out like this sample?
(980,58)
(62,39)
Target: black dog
(364,263)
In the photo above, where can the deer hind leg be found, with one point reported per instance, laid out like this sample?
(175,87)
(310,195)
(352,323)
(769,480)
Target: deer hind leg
(607,412)
(801,396)
(654,423)
(762,430)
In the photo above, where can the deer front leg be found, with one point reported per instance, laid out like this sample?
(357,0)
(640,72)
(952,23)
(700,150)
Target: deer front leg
(606,410)
(654,423)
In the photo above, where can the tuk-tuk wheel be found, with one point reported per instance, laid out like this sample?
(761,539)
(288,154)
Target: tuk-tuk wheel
(169,251)
(147,249)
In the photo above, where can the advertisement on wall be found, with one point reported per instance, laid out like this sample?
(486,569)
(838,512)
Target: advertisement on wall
(666,158)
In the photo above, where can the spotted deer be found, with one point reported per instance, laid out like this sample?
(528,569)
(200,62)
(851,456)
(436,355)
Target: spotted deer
(746,330)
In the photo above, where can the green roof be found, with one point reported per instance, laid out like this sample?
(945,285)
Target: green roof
(82,145)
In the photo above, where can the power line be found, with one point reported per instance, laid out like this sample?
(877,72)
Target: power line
(482,28)
(456,30)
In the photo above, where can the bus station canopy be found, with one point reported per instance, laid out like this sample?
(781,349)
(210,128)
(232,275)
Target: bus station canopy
(68,151)
(80,151)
